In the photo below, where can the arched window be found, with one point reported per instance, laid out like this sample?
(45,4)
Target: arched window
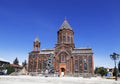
(68,39)
(39,65)
(81,63)
(90,63)
(62,58)
(85,64)
(76,65)
(37,48)
(64,38)
(35,65)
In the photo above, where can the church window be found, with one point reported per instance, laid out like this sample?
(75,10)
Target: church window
(68,39)
(35,66)
(81,63)
(39,65)
(90,63)
(76,65)
(36,48)
(85,64)
(62,58)
(64,38)
(36,45)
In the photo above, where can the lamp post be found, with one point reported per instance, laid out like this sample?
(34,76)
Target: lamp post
(114,57)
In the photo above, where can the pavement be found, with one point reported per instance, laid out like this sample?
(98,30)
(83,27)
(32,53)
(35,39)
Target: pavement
(55,80)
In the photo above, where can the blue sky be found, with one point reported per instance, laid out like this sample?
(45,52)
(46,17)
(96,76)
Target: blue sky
(96,24)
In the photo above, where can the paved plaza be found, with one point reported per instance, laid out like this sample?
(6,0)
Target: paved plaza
(54,80)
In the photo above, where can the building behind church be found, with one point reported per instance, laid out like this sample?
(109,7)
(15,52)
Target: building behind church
(64,59)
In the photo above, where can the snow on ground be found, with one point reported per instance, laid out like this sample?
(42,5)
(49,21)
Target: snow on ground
(54,80)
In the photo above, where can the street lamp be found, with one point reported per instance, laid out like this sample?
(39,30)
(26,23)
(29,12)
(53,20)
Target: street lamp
(114,57)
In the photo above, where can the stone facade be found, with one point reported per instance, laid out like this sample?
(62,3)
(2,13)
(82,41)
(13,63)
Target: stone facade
(64,59)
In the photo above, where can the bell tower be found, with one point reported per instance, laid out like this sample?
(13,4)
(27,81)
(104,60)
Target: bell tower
(63,49)
(65,34)
(36,46)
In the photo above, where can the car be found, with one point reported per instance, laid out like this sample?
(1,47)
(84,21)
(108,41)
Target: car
(1,73)
(118,74)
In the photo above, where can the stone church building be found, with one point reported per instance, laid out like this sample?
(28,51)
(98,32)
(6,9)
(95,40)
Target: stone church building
(64,59)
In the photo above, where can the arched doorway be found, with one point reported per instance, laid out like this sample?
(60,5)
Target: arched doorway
(62,72)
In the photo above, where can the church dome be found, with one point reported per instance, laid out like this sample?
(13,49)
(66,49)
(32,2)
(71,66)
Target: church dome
(65,25)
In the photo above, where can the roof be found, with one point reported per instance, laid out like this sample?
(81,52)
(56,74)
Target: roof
(47,51)
(65,25)
(3,60)
(14,65)
(82,50)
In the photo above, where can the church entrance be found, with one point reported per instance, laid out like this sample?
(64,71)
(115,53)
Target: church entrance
(62,72)
(62,69)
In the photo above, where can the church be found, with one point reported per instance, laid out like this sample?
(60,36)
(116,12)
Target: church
(64,59)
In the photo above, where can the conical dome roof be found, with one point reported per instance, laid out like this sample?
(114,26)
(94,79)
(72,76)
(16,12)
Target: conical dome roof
(65,25)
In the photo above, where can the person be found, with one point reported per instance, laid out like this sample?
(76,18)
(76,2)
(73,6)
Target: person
(46,73)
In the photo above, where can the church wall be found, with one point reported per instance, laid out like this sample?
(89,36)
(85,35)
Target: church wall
(65,58)
(37,63)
